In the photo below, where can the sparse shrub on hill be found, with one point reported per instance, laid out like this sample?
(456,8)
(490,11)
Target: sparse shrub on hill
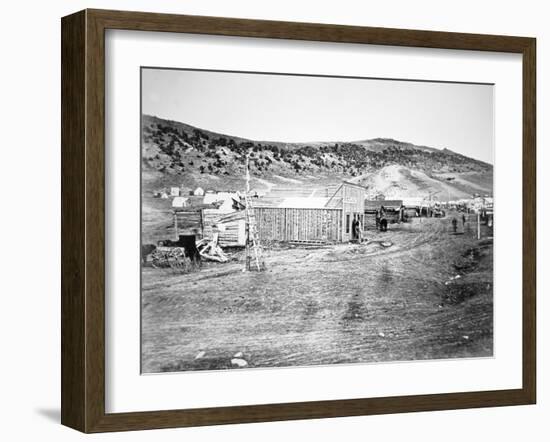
(179,141)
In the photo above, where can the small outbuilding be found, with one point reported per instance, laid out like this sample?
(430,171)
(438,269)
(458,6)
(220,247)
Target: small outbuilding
(180,201)
(225,201)
(380,213)
(199,191)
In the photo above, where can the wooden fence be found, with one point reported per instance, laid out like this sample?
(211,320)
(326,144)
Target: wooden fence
(299,225)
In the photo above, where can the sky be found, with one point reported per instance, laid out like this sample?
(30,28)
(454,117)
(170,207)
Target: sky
(289,108)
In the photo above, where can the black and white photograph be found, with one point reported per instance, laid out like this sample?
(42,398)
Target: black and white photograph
(307,220)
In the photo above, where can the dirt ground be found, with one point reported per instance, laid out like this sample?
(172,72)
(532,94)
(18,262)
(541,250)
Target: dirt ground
(418,291)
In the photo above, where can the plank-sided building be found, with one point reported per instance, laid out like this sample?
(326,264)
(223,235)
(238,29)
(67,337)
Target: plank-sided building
(313,219)
(350,198)
(219,212)
(293,220)
(187,222)
(391,210)
(230,227)
(289,224)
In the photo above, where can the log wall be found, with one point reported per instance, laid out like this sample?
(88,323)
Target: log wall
(233,233)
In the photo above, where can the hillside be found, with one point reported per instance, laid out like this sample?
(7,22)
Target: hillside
(181,154)
(400,182)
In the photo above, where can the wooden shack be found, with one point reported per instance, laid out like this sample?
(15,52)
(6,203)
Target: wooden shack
(412,206)
(391,210)
(313,219)
(350,198)
(187,222)
(230,227)
(306,225)
(301,220)
(371,211)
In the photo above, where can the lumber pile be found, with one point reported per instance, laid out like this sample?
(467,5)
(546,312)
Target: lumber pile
(210,250)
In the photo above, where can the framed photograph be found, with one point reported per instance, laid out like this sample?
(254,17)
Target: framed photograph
(267,221)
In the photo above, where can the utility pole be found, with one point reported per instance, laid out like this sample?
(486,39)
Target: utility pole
(247,215)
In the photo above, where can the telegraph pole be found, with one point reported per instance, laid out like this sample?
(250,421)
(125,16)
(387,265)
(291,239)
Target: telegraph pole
(247,213)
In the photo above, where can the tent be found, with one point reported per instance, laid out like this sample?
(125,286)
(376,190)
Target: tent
(180,201)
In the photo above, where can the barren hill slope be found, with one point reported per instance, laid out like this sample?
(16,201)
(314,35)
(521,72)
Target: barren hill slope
(401,182)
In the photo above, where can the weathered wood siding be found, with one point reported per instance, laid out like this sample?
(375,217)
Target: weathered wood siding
(187,222)
(210,218)
(233,233)
(370,220)
(350,198)
(410,212)
(284,224)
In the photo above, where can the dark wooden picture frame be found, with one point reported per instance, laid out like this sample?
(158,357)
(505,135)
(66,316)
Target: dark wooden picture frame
(83,220)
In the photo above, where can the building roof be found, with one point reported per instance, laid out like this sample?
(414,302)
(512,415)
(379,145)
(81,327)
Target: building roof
(304,203)
(224,199)
(413,202)
(348,183)
(375,204)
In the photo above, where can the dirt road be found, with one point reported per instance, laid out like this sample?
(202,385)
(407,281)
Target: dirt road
(415,292)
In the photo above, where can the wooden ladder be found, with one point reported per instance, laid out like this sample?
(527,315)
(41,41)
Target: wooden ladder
(253,245)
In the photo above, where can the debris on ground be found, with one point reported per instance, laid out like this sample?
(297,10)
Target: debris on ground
(200,354)
(451,279)
(210,250)
(238,362)
(172,257)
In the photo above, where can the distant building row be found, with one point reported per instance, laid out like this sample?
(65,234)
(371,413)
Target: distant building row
(296,219)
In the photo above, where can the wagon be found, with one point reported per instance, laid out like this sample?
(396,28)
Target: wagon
(380,213)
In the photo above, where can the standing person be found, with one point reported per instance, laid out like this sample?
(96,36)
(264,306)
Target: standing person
(359,230)
(454,223)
